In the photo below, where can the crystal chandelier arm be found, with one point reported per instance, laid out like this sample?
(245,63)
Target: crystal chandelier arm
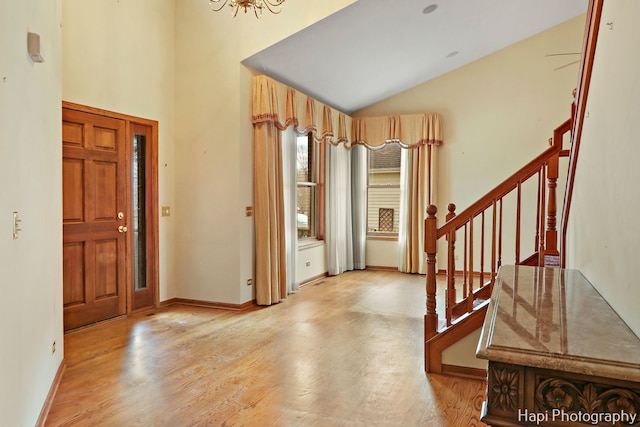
(270,5)
(256,5)
(213,3)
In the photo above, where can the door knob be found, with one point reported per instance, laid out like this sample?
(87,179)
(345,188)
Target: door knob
(122,229)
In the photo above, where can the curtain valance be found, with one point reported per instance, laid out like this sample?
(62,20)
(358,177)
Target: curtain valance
(282,105)
(410,130)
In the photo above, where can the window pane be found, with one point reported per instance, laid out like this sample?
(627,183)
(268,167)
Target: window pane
(383,210)
(304,157)
(385,159)
(306,211)
(139,217)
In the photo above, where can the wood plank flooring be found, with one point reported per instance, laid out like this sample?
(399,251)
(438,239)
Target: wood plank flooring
(345,351)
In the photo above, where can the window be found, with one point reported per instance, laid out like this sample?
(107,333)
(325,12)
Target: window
(383,191)
(310,182)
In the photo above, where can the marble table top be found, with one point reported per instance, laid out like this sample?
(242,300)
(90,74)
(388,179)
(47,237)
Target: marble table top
(553,318)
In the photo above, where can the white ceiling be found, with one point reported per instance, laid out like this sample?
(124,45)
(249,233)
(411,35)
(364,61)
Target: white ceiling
(374,49)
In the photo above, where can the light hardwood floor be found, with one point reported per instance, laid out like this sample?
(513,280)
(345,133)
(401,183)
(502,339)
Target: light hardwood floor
(345,351)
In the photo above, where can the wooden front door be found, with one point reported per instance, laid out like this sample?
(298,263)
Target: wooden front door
(96,189)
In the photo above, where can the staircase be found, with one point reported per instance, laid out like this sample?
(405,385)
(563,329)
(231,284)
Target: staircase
(474,241)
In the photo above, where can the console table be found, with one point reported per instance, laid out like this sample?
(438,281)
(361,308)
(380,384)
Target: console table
(558,354)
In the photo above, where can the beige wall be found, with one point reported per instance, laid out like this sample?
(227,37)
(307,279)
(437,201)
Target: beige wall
(604,224)
(31,172)
(498,113)
(463,352)
(381,253)
(313,255)
(119,56)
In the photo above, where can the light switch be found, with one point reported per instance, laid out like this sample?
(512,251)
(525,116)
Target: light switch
(16,228)
(33,47)
(166,211)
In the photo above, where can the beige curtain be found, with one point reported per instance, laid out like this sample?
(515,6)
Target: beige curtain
(271,270)
(276,107)
(419,192)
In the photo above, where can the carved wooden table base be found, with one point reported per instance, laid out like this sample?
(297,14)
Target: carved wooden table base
(518,395)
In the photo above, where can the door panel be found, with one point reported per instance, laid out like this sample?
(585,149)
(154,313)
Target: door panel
(95,189)
(106,268)
(105,139)
(73,256)
(106,184)
(73,196)
(73,134)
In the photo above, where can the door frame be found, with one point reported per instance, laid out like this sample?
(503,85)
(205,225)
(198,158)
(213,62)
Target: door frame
(151,189)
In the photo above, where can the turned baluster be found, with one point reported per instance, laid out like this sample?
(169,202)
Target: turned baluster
(552,178)
(451,265)
(551,239)
(500,237)
(430,244)
(482,239)
(518,216)
(574,107)
(465,286)
(470,295)
(536,243)
(542,214)
(494,262)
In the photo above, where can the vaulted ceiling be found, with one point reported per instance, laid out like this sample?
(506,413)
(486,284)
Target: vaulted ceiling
(374,49)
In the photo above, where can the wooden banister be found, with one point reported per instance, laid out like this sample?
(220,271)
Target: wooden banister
(590,40)
(508,185)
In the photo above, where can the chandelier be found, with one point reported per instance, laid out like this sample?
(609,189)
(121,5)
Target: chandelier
(256,5)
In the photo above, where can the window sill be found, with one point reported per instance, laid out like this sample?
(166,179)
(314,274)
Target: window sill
(391,237)
(309,243)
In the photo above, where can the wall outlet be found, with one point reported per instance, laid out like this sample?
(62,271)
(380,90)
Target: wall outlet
(249,282)
(53,347)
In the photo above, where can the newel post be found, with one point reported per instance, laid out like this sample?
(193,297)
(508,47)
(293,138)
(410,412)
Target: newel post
(430,244)
(551,254)
(551,232)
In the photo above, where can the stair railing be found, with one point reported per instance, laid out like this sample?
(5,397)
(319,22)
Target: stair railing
(594,13)
(476,286)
